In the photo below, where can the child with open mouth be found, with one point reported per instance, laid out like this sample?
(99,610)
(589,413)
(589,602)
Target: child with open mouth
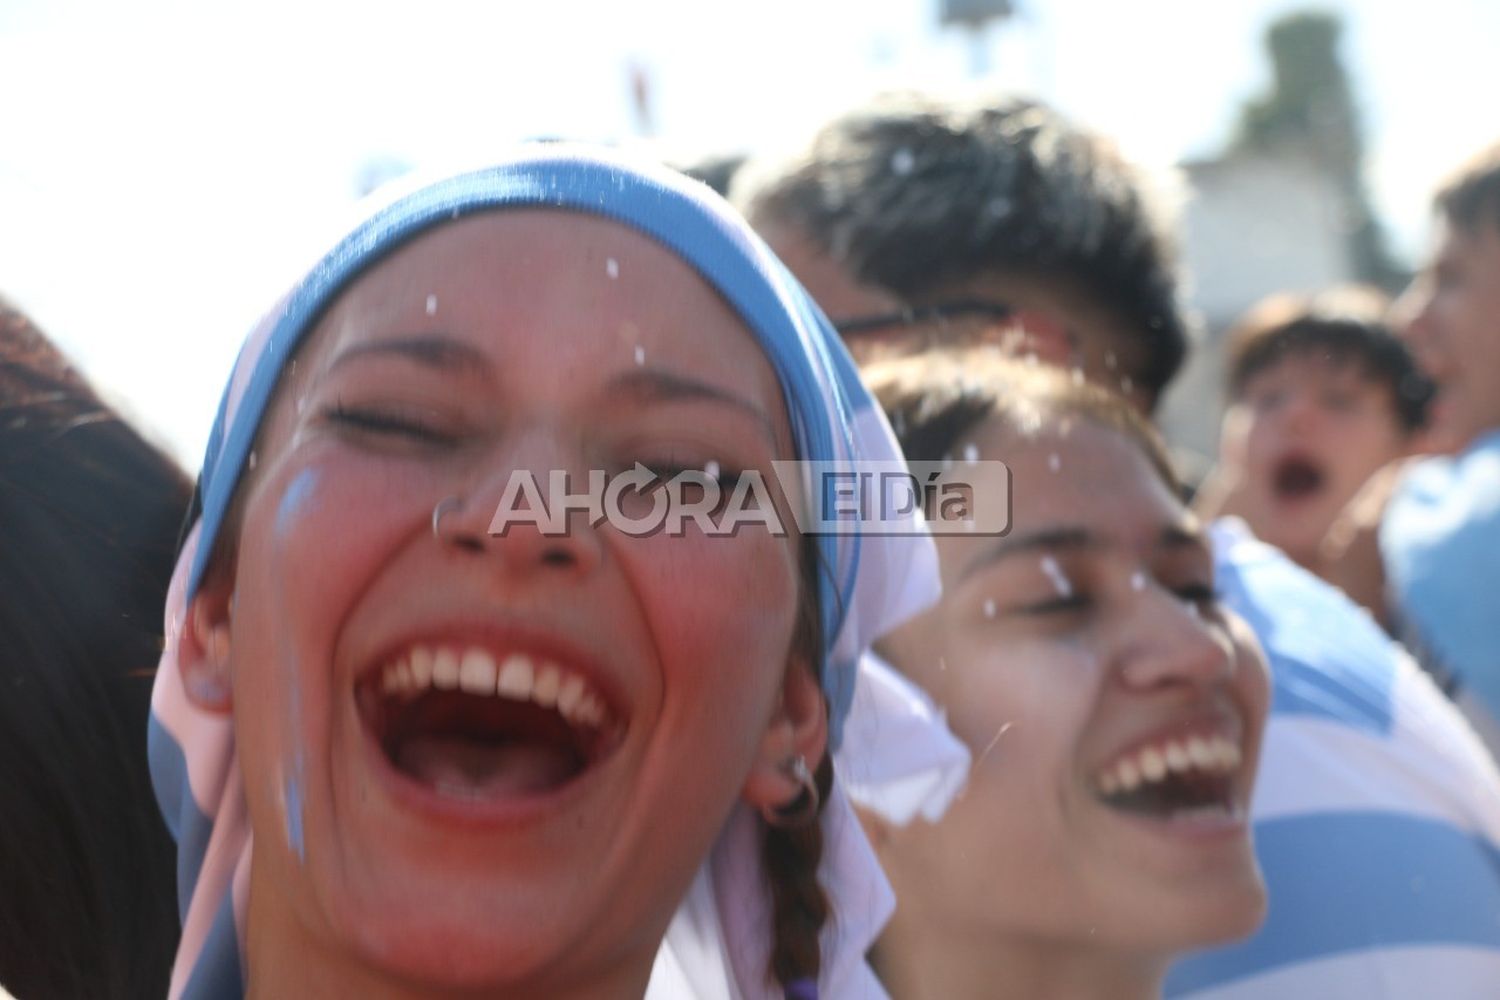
(1323,395)
(408,755)
(1114,709)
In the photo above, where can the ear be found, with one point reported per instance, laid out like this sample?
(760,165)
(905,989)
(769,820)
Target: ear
(798,728)
(203,648)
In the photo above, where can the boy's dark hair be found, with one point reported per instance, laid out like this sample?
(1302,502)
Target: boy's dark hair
(1343,325)
(716,171)
(936,399)
(89,512)
(912,193)
(1471,197)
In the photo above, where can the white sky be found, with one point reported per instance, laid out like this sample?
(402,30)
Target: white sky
(163,164)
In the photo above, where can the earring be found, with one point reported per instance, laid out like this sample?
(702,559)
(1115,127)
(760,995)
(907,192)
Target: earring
(803,808)
(443,506)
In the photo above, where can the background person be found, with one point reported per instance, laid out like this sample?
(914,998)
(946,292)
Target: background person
(1322,395)
(1114,715)
(91,513)
(910,193)
(1440,536)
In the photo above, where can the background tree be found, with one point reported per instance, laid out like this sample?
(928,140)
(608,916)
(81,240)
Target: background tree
(1310,109)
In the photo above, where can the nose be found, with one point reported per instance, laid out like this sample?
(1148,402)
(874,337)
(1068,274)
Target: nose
(523,510)
(1174,643)
(1412,315)
(1299,411)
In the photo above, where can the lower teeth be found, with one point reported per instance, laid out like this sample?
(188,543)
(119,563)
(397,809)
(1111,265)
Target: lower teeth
(1200,813)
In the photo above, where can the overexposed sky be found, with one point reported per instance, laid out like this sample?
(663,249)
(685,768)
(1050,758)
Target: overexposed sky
(165,164)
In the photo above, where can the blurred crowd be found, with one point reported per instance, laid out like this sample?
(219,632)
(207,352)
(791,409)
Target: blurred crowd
(1007,286)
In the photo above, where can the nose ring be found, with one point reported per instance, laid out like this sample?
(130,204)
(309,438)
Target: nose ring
(443,506)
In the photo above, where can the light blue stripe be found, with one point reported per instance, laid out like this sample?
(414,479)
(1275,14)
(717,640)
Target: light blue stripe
(1328,659)
(1347,882)
(216,975)
(185,821)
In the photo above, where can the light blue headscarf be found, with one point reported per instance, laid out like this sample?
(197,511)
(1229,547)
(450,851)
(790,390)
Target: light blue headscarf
(875,580)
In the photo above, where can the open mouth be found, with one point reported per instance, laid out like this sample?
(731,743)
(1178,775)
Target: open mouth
(1297,477)
(466,724)
(1180,779)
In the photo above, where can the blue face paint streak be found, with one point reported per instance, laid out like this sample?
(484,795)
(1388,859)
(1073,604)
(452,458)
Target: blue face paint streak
(295,499)
(293,797)
(294,504)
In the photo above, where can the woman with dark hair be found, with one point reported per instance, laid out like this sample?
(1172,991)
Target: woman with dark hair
(1113,707)
(89,515)
(422,740)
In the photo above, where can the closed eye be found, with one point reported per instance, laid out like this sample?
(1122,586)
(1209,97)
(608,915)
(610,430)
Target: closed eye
(1198,593)
(386,423)
(727,478)
(1060,605)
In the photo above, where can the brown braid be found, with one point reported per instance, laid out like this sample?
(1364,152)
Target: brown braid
(798,904)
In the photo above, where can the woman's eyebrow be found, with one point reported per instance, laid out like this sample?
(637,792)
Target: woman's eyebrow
(656,385)
(1047,540)
(436,352)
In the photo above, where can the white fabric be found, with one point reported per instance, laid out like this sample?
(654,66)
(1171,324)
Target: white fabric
(899,758)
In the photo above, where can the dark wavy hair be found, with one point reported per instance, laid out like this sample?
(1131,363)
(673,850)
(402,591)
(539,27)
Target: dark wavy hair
(936,399)
(90,513)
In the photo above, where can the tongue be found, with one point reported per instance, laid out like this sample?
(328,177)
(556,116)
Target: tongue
(476,769)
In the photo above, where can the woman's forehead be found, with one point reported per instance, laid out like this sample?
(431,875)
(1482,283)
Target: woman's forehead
(529,265)
(522,245)
(552,290)
(1075,473)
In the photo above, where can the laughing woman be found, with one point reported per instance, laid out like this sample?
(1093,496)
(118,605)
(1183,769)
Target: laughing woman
(1114,711)
(410,750)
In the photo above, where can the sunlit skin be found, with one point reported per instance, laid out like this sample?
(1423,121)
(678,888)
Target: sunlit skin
(1305,434)
(1454,331)
(1091,627)
(536,357)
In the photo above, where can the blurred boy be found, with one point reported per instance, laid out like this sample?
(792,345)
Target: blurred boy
(1440,536)
(1322,395)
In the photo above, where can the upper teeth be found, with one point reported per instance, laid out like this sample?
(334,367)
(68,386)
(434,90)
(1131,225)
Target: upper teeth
(518,678)
(1214,754)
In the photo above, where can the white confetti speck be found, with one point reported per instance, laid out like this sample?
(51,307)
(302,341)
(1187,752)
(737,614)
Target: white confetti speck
(612,268)
(711,470)
(1054,462)
(1138,580)
(902,161)
(432,305)
(1055,574)
(640,354)
(971,453)
(989,608)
